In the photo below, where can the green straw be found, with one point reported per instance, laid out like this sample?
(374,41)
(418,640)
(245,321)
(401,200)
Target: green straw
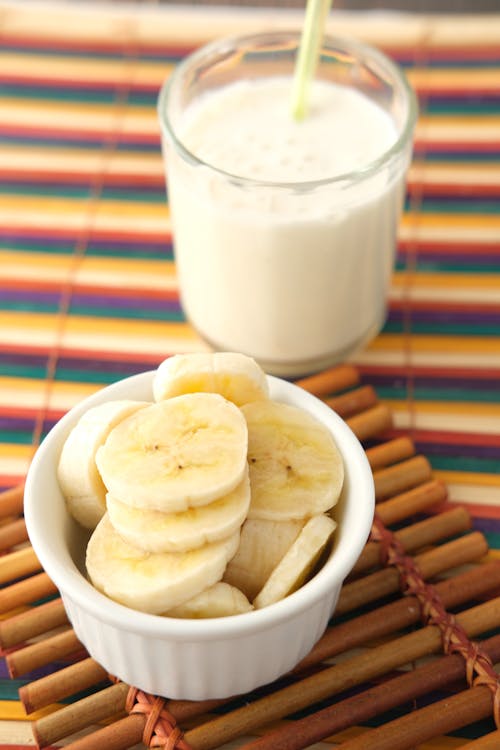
(307,58)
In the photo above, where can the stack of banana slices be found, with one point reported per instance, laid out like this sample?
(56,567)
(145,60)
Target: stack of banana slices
(210,501)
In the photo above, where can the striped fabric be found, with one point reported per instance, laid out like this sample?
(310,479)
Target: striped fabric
(88,290)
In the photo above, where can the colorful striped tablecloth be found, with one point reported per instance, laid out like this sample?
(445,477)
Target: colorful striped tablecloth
(88,290)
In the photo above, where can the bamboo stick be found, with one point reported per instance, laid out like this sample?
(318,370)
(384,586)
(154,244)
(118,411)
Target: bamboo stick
(337,639)
(89,710)
(13,533)
(400,614)
(34,622)
(330,381)
(372,702)
(383,582)
(413,501)
(61,684)
(26,592)
(335,679)
(390,452)
(371,423)
(11,501)
(431,721)
(44,652)
(418,535)
(490,741)
(16,564)
(353,402)
(126,732)
(102,705)
(403,476)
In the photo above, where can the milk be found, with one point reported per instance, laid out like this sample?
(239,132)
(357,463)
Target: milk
(278,255)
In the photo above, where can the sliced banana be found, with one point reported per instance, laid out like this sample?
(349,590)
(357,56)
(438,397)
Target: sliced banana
(262,545)
(176,454)
(298,563)
(77,472)
(151,582)
(220,600)
(296,470)
(155,531)
(235,376)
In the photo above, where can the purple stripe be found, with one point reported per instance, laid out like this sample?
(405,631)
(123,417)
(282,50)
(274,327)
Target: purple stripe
(91,300)
(445,259)
(487,525)
(473,451)
(446,316)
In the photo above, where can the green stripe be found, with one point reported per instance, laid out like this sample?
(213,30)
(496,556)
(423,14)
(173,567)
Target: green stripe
(96,377)
(29,306)
(15,437)
(36,372)
(432,266)
(129,314)
(452,329)
(493,539)
(454,207)
(85,192)
(465,463)
(448,395)
(463,107)
(93,250)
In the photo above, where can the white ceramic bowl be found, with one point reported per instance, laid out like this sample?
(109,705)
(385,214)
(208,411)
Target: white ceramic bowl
(195,659)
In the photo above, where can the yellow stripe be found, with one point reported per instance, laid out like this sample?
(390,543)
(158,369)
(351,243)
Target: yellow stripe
(16,451)
(421,343)
(446,407)
(118,327)
(74,69)
(15,711)
(452,220)
(464,477)
(135,266)
(50,206)
(453,78)
(90,161)
(455,280)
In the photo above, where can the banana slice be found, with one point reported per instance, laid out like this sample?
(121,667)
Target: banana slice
(154,531)
(77,472)
(262,545)
(296,470)
(298,562)
(176,454)
(220,600)
(148,582)
(235,376)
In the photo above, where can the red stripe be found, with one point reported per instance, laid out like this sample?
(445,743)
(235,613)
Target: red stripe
(89,354)
(54,233)
(453,190)
(54,288)
(485,247)
(457,147)
(445,307)
(31,413)
(93,46)
(31,131)
(450,438)
(75,178)
(489,373)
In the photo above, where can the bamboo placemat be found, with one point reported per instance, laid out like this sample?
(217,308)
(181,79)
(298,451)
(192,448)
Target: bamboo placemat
(87,283)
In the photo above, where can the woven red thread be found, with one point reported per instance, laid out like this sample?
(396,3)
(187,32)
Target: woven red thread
(478,666)
(160,729)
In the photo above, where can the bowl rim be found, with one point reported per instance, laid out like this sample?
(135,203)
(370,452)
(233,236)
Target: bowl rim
(71,582)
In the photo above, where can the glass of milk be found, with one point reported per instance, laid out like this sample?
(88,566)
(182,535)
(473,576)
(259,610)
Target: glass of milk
(284,230)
